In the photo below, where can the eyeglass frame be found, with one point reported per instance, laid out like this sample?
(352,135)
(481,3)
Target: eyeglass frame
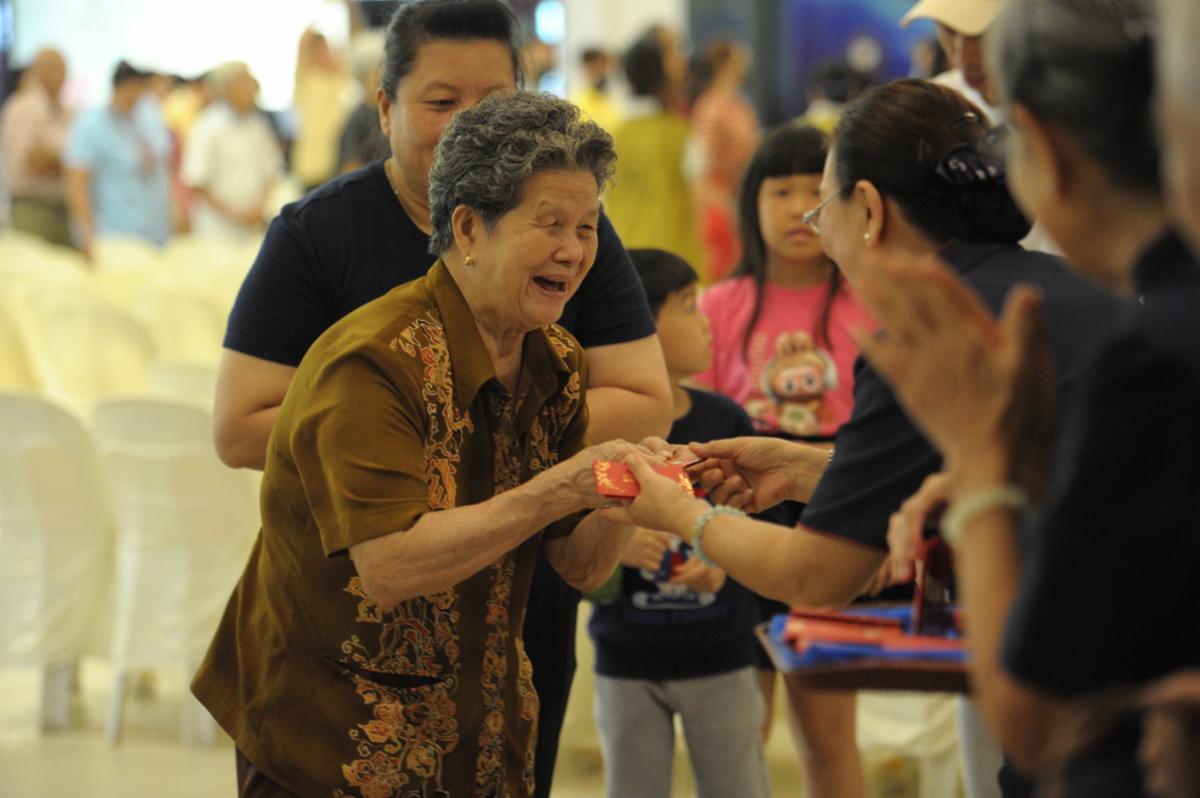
(811,218)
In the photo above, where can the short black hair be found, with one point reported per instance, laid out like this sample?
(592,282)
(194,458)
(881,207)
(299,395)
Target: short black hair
(662,274)
(643,65)
(422,21)
(125,71)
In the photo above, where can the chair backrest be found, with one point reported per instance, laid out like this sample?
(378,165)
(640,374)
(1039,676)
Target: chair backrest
(16,368)
(186,325)
(124,252)
(84,348)
(185,523)
(184,382)
(55,534)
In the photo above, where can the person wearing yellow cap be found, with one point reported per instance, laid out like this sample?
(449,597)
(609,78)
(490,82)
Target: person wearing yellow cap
(961,25)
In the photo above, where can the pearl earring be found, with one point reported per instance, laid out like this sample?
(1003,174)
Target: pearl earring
(867,237)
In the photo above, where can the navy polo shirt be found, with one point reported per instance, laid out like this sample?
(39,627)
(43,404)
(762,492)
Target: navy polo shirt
(881,458)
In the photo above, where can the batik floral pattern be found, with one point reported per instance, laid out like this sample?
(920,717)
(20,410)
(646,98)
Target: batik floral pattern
(401,750)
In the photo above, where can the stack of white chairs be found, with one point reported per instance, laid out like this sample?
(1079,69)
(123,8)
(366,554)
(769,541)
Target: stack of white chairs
(55,545)
(16,367)
(920,729)
(185,524)
(185,325)
(85,348)
(190,383)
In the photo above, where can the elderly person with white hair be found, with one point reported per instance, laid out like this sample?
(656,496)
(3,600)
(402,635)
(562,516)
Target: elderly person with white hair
(431,443)
(33,132)
(232,159)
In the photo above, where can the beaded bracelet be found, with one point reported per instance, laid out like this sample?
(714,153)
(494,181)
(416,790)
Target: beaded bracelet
(698,530)
(963,511)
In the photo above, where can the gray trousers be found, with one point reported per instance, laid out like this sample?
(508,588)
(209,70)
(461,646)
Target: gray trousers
(722,720)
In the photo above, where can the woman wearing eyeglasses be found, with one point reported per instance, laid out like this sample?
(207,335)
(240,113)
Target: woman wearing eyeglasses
(910,174)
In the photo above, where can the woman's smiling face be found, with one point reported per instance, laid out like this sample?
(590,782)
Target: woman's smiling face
(534,257)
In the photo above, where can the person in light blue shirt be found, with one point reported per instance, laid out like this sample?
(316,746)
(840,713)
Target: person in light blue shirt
(118,171)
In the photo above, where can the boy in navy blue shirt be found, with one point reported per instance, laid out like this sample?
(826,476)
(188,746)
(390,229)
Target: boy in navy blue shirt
(679,639)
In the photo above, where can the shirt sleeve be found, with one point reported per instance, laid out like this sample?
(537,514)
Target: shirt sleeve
(18,131)
(1108,591)
(196,169)
(358,445)
(612,307)
(283,304)
(880,459)
(82,150)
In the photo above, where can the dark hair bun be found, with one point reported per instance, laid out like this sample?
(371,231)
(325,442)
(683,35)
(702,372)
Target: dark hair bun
(977,186)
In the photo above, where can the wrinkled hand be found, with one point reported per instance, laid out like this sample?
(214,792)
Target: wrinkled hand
(748,473)
(906,527)
(1171,735)
(667,451)
(645,548)
(975,385)
(580,476)
(697,576)
(660,503)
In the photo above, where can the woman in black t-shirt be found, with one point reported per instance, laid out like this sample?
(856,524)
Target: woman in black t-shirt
(1095,590)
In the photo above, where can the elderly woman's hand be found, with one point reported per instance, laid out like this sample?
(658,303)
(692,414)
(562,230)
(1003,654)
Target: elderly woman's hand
(580,476)
(670,452)
(975,385)
(660,503)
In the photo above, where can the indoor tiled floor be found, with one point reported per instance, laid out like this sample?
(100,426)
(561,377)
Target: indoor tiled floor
(150,761)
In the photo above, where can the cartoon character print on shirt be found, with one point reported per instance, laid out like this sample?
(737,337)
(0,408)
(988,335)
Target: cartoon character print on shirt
(794,383)
(665,595)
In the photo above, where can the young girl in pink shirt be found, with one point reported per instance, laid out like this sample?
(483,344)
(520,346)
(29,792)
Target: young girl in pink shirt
(782,349)
(781,323)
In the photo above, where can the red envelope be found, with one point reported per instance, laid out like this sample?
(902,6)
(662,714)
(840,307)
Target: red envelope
(615,480)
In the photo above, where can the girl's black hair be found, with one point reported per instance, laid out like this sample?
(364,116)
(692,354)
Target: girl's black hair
(787,150)
(662,274)
(422,21)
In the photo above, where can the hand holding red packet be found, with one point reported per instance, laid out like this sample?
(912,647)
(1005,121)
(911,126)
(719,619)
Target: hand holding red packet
(616,481)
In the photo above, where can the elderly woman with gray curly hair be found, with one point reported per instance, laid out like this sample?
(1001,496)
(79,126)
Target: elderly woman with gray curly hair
(431,441)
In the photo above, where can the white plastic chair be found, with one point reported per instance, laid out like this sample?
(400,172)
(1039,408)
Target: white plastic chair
(124,252)
(16,369)
(184,527)
(186,325)
(920,729)
(84,348)
(184,382)
(55,545)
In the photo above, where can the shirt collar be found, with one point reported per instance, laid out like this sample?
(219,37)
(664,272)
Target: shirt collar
(1165,263)
(963,256)
(544,368)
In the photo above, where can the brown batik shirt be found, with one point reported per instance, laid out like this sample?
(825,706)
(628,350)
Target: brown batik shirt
(394,412)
